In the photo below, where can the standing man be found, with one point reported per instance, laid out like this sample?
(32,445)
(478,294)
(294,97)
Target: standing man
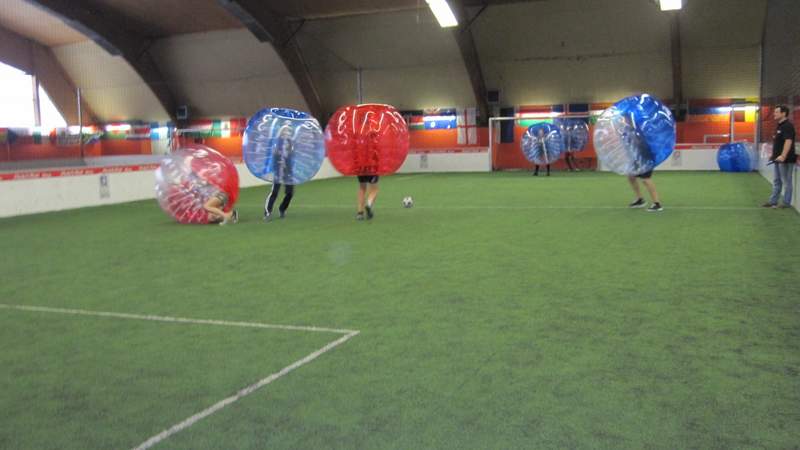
(784,157)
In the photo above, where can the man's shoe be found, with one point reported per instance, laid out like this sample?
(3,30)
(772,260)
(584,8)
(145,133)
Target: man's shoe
(282,214)
(360,216)
(639,203)
(370,214)
(784,206)
(655,207)
(267,216)
(769,205)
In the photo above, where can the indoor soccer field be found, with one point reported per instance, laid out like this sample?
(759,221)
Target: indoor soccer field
(500,311)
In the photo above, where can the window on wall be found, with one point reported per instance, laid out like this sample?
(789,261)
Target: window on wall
(16,101)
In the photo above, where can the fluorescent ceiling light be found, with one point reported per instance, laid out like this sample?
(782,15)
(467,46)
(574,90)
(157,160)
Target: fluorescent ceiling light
(539,115)
(116,128)
(671,5)
(443,13)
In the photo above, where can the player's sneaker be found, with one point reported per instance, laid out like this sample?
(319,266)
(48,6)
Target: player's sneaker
(769,205)
(639,203)
(360,216)
(282,214)
(267,216)
(370,214)
(655,207)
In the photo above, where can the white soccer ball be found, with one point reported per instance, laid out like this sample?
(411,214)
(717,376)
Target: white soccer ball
(408,202)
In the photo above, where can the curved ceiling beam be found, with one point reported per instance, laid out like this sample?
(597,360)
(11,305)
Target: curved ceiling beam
(110,32)
(269,27)
(36,59)
(469,53)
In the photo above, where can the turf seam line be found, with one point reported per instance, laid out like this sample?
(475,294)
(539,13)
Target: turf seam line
(165,434)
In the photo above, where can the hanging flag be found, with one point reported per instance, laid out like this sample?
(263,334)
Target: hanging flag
(7,136)
(532,114)
(439,118)
(467,127)
(413,119)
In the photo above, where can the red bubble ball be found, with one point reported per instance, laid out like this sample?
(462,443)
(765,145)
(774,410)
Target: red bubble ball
(367,139)
(189,176)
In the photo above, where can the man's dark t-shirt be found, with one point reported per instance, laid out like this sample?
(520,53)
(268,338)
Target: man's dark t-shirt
(784,131)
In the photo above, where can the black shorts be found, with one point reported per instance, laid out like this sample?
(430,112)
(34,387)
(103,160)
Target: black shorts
(223,199)
(645,175)
(371,179)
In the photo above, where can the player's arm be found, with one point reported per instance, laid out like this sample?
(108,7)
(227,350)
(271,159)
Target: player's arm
(787,145)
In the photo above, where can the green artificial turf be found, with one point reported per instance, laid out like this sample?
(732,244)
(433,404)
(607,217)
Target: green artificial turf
(501,311)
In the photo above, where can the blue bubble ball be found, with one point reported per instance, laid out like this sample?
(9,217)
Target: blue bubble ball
(575,132)
(542,143)
(734,157)
(634,135)
(283,146)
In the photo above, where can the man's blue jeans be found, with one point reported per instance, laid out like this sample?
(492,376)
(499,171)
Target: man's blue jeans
(783,179)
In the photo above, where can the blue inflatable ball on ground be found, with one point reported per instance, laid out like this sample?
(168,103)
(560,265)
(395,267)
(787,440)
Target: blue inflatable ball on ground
(734,157)
(542,143)
(575,132)
(634,135)
(283,146)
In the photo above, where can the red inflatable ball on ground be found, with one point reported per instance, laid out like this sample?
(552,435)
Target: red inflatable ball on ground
(367,139)
(189,176)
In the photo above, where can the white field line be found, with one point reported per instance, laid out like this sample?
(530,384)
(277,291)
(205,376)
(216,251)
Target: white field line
(239,395)
(154,440)
(534,207)
(81,312)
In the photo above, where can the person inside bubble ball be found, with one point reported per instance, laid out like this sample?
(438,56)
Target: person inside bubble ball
(216,200)
(544,154)
(368,184)
(638,154)
(569,157)
(282,162)
(215,205)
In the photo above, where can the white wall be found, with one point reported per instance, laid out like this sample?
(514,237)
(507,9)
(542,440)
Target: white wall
(447,162)
(226,73)
(407,60)
(109,84)
(602,50)
(32,196)
(693,159)
(721,48)
(574,50)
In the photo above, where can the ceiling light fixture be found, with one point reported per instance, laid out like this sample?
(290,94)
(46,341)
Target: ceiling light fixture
(443,13)
(671,5)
